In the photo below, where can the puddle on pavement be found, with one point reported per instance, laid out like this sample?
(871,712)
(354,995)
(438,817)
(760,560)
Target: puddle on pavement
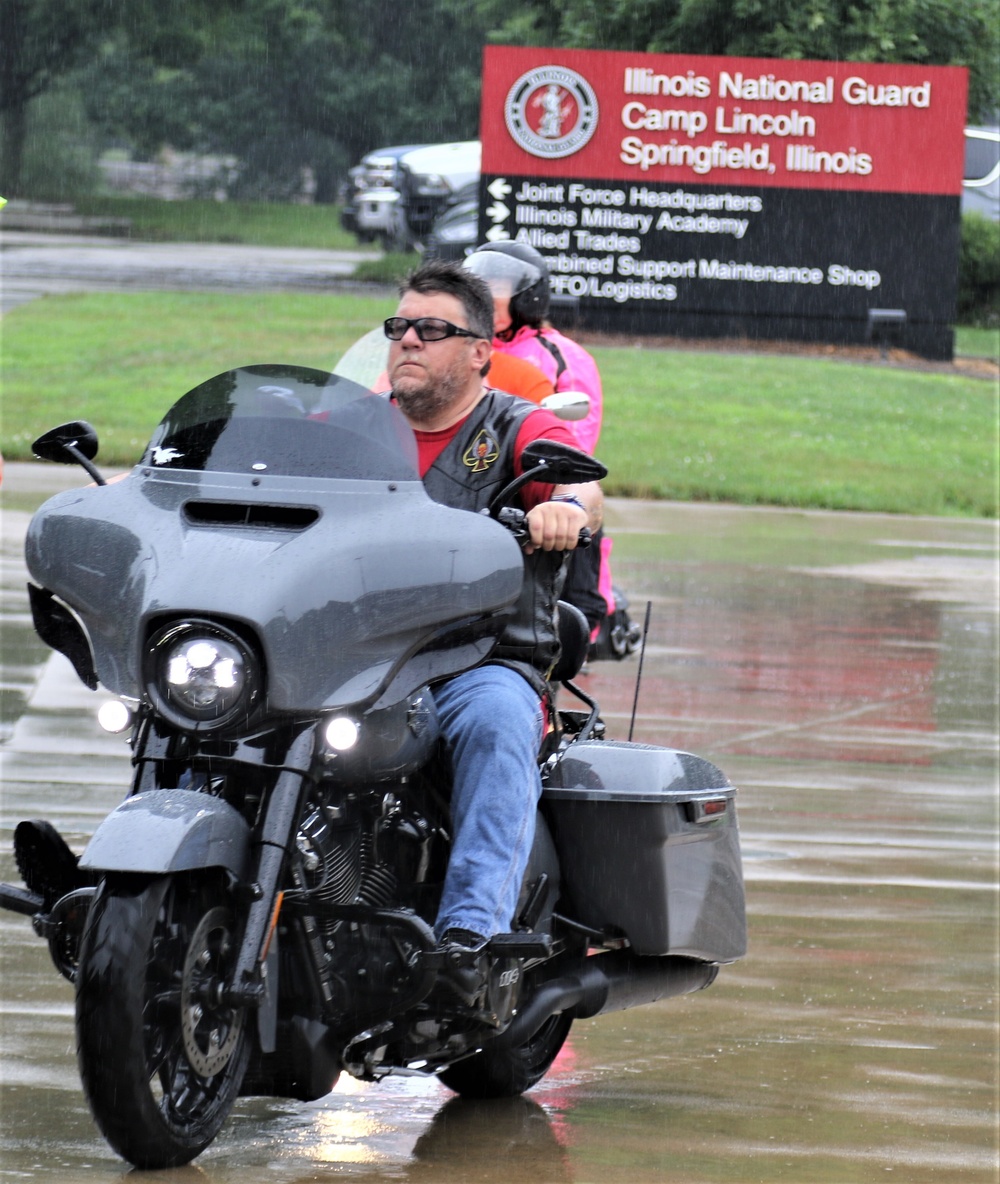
(21,652)
(856,1041)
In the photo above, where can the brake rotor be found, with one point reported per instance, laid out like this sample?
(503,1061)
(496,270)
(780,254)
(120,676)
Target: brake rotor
(210,1032)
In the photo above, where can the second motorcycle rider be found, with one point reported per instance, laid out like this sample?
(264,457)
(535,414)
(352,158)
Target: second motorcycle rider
(470,439)
(518,279)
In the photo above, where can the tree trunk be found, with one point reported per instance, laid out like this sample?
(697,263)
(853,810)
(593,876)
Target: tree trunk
(13,126)
(327,176)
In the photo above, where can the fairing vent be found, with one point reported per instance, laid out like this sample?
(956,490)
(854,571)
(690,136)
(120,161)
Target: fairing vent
(253,514)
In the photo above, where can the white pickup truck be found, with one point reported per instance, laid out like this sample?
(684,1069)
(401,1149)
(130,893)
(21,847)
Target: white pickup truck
(408,188)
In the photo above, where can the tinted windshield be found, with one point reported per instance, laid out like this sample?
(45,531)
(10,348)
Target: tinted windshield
(285,421)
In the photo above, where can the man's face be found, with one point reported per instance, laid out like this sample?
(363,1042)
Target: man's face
(428,377)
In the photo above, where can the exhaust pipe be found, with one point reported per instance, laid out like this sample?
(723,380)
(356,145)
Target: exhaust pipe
(610,982)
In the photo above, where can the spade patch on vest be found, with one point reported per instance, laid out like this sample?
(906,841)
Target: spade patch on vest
(481,453)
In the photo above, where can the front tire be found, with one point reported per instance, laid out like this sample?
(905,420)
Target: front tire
(160,1057)
(503,1072)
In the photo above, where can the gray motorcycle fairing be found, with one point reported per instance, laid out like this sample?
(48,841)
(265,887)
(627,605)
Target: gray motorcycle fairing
(401,590)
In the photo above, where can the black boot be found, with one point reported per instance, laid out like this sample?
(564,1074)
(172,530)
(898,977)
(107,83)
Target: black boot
(47,865)
(464,969)
(618,636)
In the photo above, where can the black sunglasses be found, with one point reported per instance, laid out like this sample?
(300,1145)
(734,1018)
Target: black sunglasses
(426,328)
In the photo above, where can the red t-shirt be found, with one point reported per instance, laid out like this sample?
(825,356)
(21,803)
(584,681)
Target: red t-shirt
(537,425)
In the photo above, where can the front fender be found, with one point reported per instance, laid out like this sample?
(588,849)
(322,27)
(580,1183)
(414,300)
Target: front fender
(170,830)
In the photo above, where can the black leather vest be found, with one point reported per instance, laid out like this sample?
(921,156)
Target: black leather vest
(471,470)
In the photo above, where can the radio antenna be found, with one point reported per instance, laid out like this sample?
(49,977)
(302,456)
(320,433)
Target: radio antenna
(638,673)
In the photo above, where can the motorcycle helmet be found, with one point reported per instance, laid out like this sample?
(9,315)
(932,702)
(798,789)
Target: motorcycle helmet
(518,272)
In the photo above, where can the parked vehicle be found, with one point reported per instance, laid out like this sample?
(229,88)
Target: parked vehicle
(429,178)
(270,591)
(981,177)
(372,192)
(454,233)
(401,192)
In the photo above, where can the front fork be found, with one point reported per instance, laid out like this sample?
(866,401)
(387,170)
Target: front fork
(62,924)
(249,986)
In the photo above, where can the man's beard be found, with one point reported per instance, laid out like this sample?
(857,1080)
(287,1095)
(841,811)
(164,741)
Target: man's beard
(422,402)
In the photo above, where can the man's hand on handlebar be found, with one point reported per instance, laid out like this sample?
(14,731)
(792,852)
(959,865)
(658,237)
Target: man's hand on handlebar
(555,526)
(567,521)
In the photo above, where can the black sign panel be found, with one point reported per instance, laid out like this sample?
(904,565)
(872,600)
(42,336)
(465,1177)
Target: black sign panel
(803,265)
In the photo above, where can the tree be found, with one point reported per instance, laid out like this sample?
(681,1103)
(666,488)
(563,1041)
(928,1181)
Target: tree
(285,84)
(931,32)
(42,41)
(312,82)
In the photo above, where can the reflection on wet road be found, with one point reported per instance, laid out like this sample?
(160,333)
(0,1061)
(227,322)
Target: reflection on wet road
(842,670)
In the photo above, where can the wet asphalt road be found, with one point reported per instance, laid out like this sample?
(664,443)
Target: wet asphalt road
(34,264)
(842,669)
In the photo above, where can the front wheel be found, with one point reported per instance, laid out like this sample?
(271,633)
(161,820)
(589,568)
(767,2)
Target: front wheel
(502,1071)
(160,1056)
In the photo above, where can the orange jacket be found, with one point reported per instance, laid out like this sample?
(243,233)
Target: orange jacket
(517,377)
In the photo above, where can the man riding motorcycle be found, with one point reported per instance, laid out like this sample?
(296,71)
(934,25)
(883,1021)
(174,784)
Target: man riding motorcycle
(315,632)
(470,439)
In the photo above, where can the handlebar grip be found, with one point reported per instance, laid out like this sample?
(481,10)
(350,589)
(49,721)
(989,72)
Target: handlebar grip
(515,521)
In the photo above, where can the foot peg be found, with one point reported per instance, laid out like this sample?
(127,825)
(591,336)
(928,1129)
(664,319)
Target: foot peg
(521,945)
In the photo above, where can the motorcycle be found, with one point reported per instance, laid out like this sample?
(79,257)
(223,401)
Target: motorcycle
(269,594)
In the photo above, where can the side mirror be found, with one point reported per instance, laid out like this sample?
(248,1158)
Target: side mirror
(70,444)
(555,464)
(560,464)
(571,405)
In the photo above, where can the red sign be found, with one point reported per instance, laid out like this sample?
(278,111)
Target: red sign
(666,118)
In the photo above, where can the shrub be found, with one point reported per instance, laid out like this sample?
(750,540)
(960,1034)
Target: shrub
(979,271)
(60,150)
(391,268)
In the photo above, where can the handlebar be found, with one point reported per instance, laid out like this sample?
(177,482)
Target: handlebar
(515,521)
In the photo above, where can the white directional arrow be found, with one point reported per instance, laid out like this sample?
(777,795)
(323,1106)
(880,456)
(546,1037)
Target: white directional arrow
(498,211)
(495,233)
(499,188)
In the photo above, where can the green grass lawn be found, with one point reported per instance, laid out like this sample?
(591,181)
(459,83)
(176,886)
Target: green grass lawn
(264,224)
(971,342)
(798,431)
(754,429)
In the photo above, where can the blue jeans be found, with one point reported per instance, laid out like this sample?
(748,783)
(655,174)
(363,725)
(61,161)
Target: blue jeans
(492,721)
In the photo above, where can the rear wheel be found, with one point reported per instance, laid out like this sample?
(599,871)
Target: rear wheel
(160,1056)
(503,1072)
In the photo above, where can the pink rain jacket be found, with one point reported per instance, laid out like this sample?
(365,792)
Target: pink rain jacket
(568,366)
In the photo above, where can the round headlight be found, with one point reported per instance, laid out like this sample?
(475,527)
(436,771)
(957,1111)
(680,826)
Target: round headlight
(201,674)
(205,678)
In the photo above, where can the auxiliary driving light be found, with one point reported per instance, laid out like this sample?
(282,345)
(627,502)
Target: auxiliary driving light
(114,716)
(341,733)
